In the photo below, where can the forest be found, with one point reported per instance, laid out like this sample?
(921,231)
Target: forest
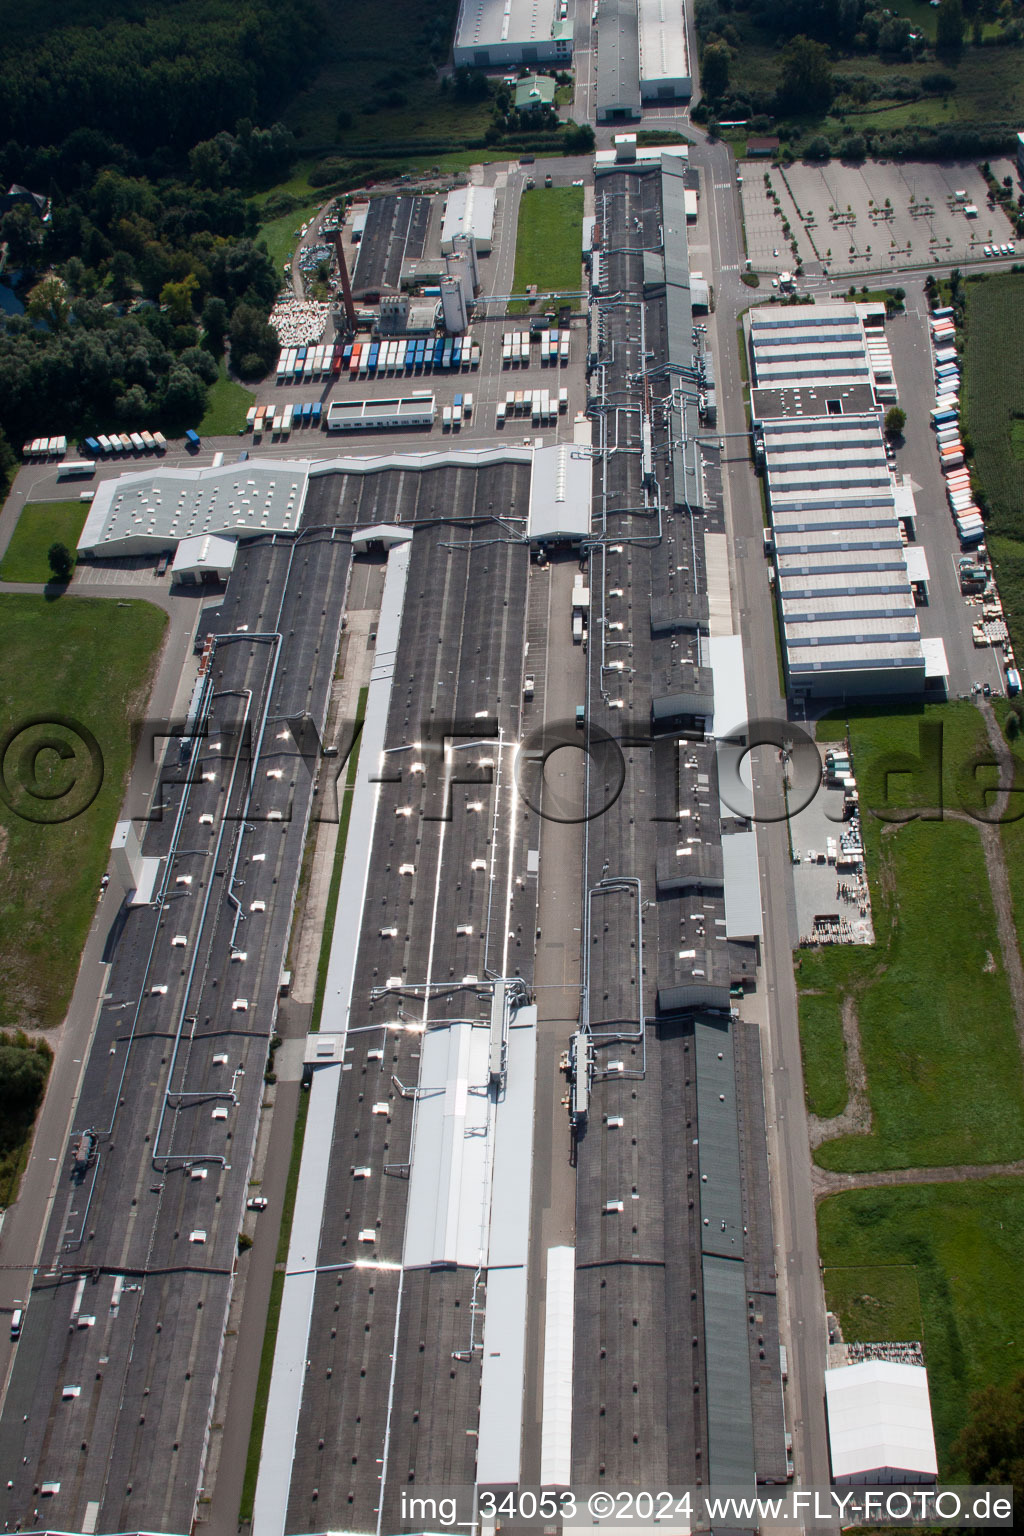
(139,130)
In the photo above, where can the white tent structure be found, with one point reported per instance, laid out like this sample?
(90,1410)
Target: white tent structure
(880,1423)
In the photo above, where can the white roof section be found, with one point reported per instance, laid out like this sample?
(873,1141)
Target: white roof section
(469,211)
(560,493)
(500,1432)
(450,1175)
(809,345)
(500,1427)
(732,714)
(664,56)
(936,663)
(494,23)
(880,1421)
(556,1409)
(158,507)
(204,552)
(743,915)
(917,562)
(848,615)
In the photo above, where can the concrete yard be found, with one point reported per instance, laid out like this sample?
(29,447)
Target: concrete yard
(880,218)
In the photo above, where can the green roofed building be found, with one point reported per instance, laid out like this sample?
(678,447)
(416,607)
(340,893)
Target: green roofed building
(535,91)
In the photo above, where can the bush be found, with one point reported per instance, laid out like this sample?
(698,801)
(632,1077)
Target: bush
(819,149)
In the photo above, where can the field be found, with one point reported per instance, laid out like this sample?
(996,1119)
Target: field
(549,242)
(875,1303)
(41,524)
(226,405)
(92,661)
(280,235)
(994,394)
(943,1066)
(963,1243)
(994,417)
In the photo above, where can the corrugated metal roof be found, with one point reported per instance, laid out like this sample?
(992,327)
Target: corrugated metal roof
(744,918)
(730,1409)
(721,1206)
(618,58)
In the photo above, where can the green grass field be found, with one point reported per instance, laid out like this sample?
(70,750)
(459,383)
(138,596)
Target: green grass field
(91,661)
(994,394)
(963,1243)
(994,418)
(875,1303)
(280,233)
(936,1022)
(41,524)
(226,405)
(549,242)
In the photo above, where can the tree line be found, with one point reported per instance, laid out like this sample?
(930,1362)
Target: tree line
(141,128)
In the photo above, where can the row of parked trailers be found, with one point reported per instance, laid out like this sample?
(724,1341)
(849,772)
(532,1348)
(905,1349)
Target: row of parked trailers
(281,419)
(45,448)
(125,442)
(362,359)
(543,406)
(516,345)
(946,423)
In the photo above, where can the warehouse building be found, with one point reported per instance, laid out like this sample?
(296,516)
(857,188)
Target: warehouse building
(618,61)
(493,33)
(846,596)
(148,513)
(880,1424)
(664,55)
(376,415)
(469,212)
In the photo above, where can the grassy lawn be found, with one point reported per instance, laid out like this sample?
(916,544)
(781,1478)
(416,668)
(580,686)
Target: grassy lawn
(280,233)
(549,242)
(944,1072)
(875,1303)
(41,524)
(226,405)
(963,1243)
(93,661)
(994,418)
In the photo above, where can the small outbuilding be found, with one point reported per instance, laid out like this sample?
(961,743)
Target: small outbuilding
(204,557)
(534,92)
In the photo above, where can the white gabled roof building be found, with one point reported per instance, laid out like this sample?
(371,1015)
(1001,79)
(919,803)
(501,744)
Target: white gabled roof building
(880,1423)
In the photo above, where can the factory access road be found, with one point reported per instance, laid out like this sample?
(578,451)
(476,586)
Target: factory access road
(789,1147)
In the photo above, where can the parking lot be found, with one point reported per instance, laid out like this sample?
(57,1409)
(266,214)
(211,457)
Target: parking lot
(872,218)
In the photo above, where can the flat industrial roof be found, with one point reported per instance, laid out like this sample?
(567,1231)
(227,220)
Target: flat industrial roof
(663,51)
(159,507)
(492,23)
(618,59)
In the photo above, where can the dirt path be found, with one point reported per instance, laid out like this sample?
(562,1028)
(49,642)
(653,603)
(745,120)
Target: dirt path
(826,1182)
(855,1119)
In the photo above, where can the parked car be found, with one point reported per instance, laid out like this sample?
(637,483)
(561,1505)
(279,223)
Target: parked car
(257,1203)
